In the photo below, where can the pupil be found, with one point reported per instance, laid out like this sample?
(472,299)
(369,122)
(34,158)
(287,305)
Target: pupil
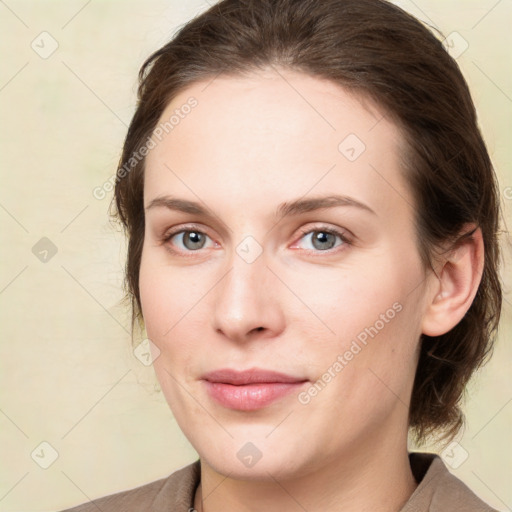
(323,240)
(195,239)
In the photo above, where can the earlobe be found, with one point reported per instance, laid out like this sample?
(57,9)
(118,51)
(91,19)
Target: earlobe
(456,283)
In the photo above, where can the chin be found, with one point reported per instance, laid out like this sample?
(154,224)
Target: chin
(257,460)
(262,470)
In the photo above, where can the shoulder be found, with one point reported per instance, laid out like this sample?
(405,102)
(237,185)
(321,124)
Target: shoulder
(175,492)
(438,490)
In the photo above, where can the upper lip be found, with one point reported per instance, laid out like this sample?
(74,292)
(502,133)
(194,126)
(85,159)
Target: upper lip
(251,376)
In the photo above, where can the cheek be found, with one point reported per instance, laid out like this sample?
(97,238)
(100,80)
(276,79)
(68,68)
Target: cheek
(153,298)
(161,311)
(369,314)
(172,302)
(341,303)
(166,294)
(366,373)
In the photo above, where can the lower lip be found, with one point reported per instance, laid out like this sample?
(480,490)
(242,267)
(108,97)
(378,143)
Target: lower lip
(250,397)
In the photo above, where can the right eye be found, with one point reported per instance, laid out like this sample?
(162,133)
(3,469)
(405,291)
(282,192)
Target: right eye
(187,240)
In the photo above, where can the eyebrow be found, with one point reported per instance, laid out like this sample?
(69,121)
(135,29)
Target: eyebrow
(286,209)
(300,205)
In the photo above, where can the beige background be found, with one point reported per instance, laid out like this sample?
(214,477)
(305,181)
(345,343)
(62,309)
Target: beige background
(69,377)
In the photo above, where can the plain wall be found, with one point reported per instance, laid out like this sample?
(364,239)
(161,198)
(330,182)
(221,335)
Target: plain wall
(68,375)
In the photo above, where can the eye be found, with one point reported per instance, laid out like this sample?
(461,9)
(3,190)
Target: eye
(323,239)
(188,240)
(319,239)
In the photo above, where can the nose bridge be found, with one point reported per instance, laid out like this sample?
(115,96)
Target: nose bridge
(243,286)
(243,302)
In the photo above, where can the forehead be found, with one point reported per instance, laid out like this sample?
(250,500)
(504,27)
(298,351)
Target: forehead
(275,131)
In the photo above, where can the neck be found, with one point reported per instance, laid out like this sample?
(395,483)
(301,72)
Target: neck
(363,480)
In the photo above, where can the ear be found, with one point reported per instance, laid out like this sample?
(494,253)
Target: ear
(455,283)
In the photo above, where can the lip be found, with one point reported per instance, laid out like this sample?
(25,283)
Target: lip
(251,389)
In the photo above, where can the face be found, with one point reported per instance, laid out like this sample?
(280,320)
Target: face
(285,303)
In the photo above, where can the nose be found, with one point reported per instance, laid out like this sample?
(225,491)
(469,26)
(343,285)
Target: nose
(246,302)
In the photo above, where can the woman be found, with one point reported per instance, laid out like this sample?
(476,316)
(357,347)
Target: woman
(312,218)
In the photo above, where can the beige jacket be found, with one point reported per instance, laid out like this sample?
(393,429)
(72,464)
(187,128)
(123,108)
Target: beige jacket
(438,491)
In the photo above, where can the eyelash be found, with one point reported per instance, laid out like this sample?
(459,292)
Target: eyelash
(306,231)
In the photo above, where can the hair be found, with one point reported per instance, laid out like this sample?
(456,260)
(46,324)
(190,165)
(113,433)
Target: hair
(376,51)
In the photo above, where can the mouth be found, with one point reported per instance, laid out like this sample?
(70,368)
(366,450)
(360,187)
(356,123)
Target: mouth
(250,390)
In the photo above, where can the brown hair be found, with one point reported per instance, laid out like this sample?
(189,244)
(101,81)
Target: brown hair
(374,49)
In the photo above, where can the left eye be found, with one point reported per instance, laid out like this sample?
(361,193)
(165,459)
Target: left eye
(323,239)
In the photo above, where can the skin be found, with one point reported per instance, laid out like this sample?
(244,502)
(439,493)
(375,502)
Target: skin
(249,145)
